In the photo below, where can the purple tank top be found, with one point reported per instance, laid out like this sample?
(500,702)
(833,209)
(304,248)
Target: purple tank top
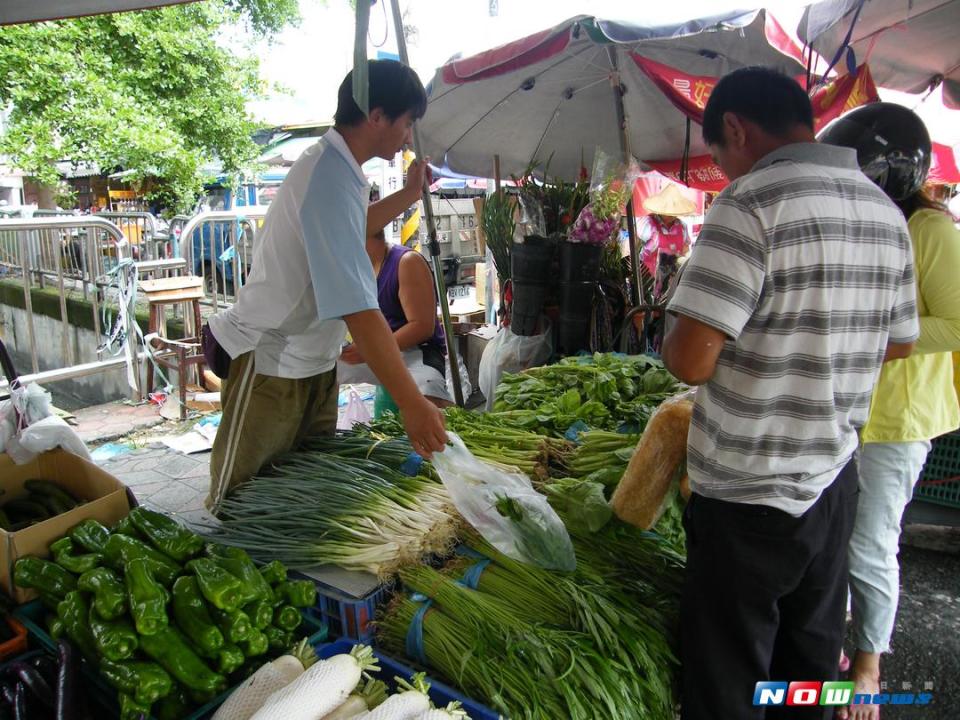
(388,295)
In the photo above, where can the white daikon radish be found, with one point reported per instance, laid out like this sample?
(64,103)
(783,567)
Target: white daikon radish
(408,704)
(453,711)
(253,692)
(363,699)
(321,689)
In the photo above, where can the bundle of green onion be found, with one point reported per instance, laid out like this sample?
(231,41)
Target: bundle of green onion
(314,508)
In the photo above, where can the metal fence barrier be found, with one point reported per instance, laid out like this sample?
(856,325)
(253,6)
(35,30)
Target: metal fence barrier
(218,246)
(72,254)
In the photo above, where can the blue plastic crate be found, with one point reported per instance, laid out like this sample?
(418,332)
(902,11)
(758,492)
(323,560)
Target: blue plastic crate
(32,616)
(346,616)
(440,694)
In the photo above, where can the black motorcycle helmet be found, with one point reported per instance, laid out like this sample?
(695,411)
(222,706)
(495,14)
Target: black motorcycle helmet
(892,143)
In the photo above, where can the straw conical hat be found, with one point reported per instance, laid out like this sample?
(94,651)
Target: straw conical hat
(669,201)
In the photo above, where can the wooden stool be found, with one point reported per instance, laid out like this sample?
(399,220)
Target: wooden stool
(187,351)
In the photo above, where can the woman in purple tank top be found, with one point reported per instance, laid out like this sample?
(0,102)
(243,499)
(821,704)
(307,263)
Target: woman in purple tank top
(408,301)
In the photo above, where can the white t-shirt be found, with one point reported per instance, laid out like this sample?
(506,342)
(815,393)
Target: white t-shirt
(309,268)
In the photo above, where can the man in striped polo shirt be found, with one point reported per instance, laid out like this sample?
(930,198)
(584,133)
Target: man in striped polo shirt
(799,287)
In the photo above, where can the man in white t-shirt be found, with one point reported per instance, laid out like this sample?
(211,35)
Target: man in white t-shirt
(310,282)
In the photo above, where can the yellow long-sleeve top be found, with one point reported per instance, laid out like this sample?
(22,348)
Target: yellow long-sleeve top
(915,398)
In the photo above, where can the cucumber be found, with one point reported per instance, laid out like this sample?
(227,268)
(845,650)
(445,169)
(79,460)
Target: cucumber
(45,487)
(26,509)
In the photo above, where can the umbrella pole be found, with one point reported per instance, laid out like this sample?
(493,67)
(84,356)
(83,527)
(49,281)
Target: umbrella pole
(441,287)
(637,290)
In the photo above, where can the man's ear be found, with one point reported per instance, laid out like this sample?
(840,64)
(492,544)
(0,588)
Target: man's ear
(377,116)
(735,130)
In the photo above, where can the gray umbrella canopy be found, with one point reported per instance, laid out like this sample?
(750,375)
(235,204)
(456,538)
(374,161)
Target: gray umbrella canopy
(551,95)
(910,46)
(21,11)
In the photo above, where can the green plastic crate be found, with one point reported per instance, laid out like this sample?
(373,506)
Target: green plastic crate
(943,463)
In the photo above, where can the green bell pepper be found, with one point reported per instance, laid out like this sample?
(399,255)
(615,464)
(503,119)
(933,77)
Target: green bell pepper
(287,617)
(166,534)
(75,614)
(126,527)
(238,563)
(121,549)
(43,575)
(299,593)
(193,617)
(171,650)
(90,535)
(130,709)
(219,587)
(256,644)
(260,613)
(55,627)
(235,625)
(147,598)
(115,639)
(230,658)
(147,682)
(64,554)
(274,572)
(109,595)
(280,640)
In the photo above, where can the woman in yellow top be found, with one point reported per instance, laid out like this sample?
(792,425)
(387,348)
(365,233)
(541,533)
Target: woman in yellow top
(914,400)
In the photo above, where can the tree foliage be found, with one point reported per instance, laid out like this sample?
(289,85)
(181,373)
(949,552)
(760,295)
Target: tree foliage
(159,91)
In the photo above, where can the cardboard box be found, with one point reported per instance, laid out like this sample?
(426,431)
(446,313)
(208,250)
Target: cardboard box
(106,500)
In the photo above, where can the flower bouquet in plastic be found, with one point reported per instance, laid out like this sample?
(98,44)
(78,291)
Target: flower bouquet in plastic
(609,192)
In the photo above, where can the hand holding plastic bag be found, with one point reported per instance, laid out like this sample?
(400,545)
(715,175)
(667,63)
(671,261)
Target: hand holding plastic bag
(505,509)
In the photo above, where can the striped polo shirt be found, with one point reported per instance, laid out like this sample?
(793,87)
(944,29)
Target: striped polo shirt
(805,265)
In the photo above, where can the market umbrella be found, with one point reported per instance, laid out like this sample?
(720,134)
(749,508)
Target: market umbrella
(20,11)
(554,94)
(910,46)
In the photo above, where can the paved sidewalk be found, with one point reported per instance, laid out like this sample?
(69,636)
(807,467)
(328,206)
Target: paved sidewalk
(167,480)
(101,423)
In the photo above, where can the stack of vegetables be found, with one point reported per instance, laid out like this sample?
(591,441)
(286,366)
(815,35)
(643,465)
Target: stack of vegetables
(315,507)
(43,499)
(331,689)
(167,620)
(539,644)
(601,392)
(494,438)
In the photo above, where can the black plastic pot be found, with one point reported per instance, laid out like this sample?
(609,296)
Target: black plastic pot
(530,260)
(580,262)
(527,307)
(576,300)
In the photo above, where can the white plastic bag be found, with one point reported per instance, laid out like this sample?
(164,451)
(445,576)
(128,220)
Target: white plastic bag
(465,386)
(505,509)
(355,413)
(8,426)
(512,353)
(43,435)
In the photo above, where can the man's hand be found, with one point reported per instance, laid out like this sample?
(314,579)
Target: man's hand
(691,349)
(424,424)
(417,174)
(351,355)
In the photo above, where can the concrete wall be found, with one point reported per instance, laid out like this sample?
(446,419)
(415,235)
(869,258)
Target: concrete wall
(67,394)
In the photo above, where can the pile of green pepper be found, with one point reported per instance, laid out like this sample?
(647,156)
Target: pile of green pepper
(168,620)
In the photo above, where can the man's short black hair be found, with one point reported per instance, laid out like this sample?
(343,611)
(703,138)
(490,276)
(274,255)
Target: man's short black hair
(769,98)
(394,88)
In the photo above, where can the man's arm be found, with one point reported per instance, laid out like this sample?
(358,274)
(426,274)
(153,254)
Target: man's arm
(422,419)
(691,349)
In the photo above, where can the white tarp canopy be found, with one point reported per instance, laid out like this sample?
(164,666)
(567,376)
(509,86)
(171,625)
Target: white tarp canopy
(910,45)
(21,11)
